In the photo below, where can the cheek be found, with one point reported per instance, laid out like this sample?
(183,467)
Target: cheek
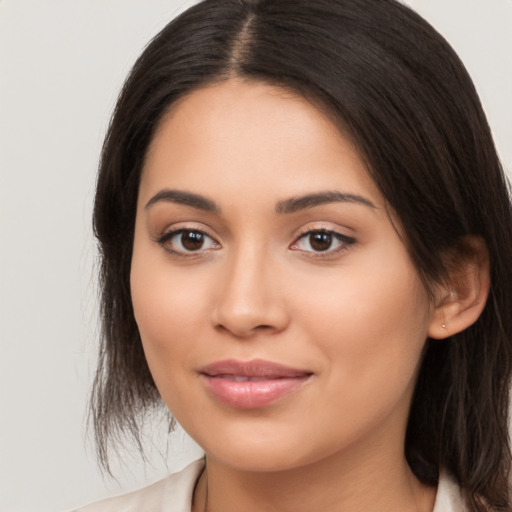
(164,308)
(167,304)
(371,323)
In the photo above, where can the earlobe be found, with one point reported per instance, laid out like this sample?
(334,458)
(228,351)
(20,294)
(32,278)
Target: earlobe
(461,300)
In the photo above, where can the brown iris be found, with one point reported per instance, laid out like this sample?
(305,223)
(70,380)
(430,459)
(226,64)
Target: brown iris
(320,241)
(192,240)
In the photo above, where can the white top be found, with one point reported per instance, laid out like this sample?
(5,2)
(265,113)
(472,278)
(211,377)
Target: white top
(174,494)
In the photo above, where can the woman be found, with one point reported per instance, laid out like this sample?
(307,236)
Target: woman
(305,235)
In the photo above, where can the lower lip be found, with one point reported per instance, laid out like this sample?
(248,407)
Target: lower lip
(251,394)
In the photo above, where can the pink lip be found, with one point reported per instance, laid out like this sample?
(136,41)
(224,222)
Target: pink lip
(251,384)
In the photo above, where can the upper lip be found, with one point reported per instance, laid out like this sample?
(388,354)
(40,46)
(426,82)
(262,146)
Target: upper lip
(253,368)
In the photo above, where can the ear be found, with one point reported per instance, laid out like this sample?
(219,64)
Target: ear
(460,301)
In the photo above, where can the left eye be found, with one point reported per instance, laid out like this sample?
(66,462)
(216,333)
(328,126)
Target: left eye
(187,241)
(322,241)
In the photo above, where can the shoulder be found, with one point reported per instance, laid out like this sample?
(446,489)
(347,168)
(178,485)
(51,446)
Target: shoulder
(449,496)
(172,494)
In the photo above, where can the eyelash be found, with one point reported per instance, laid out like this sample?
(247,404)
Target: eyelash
(344,240)
(169,235)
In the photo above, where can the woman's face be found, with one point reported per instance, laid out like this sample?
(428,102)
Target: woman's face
(281,316)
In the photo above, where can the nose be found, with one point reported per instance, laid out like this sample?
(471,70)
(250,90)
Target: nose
(251,297)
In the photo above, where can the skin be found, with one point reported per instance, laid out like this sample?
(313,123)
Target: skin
(356,316)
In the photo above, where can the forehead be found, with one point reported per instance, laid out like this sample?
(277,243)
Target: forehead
(236,135)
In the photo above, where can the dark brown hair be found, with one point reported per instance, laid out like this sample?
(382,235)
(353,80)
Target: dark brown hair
(406,100)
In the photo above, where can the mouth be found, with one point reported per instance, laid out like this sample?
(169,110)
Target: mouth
(252,384)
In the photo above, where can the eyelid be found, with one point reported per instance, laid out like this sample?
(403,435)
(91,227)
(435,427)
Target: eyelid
(346,241)
(325,227)
(183,226)
(166,235)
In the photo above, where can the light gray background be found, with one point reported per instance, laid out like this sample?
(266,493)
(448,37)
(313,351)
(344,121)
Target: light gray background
(62,63)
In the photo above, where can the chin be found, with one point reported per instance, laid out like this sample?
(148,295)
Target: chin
(262,448)
(251,458)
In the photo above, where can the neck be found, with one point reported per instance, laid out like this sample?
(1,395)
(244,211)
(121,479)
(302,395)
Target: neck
(377,482)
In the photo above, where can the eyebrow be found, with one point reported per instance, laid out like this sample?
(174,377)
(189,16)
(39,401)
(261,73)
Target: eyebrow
(292,205)
(186,198)
(296,204)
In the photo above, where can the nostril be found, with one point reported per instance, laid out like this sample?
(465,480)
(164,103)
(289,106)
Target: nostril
(247,305)
(240,330)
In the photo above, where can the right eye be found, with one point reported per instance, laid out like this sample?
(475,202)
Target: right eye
(187,241)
